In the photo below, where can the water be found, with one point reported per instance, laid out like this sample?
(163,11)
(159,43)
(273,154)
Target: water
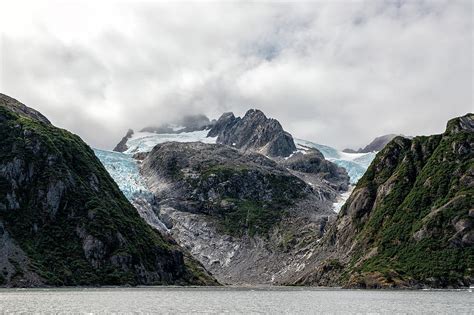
(234,300)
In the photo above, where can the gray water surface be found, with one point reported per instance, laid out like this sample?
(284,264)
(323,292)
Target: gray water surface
(234,300)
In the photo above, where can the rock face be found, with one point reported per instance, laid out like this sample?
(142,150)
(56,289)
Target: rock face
(63,220)
(254,132)
(409,221)
(376,145)
(311,164)
(242,215)
(122,145)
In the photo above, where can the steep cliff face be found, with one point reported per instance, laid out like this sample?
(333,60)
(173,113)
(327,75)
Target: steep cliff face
(63,220)
(254,132)
(410,219)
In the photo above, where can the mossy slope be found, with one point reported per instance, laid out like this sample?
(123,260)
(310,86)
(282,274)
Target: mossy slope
(61,207)
(410,219)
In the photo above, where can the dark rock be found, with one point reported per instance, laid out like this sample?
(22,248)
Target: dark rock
(122,145)
(254,132)
(313,162)
(201,176)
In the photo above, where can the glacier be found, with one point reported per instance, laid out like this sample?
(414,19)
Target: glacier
(124,170)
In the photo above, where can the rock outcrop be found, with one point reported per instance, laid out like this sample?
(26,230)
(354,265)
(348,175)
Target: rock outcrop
(311,166)
(242,215)
(409,221)
(122,145)
(254,132)
(63,220)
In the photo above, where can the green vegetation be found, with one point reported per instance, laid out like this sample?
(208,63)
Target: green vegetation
(66,197)
(431,189)
(256,200)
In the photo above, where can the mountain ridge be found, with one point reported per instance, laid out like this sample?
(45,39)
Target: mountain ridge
(63,220)
(409,221)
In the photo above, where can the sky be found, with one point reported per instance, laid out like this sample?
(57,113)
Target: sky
(334,72)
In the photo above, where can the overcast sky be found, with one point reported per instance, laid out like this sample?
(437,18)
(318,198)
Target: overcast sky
(335,72)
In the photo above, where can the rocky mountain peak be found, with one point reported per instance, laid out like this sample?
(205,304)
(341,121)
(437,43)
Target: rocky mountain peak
(254,132)
(223,124)
(254,114)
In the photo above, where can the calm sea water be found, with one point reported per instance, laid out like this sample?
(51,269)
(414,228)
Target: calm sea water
(234,300)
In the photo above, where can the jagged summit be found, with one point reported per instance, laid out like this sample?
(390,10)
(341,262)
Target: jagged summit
(254,132)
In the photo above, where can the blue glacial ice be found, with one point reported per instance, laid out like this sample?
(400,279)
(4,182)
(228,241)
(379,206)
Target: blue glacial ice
(124,170)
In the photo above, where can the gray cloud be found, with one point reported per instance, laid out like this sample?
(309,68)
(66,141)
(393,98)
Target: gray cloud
(338,73)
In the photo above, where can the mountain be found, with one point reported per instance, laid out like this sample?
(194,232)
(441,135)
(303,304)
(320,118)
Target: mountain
(63,219)
(243,213)
(254,132)
(409,221)
(376,145)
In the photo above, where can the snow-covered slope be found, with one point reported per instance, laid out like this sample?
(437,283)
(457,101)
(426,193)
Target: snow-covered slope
(145,141)
(355,163)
